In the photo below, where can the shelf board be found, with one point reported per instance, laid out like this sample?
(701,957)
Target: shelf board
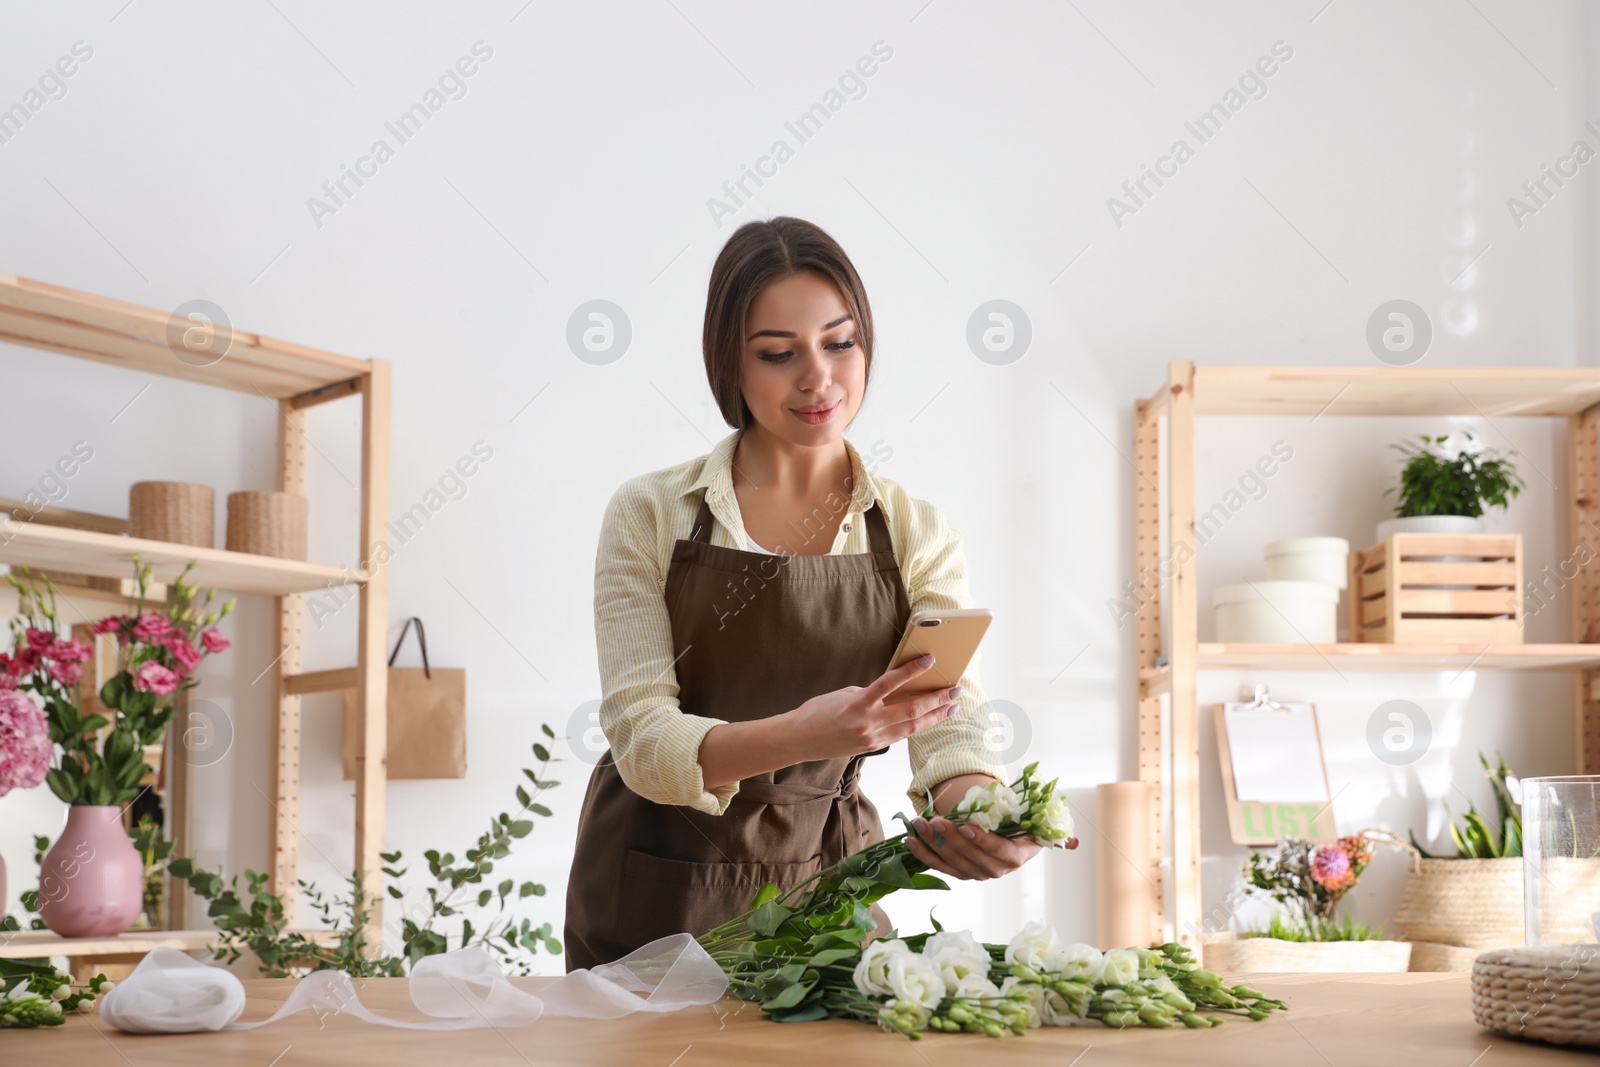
(1380,657)
(28,944)
(60,548)
(73,323)
(1483,391)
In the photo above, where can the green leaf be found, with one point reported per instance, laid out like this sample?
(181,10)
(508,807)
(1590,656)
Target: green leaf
(789,998)
(807,1013)
(767,892)
(544,728)
(542,752)
(766,918)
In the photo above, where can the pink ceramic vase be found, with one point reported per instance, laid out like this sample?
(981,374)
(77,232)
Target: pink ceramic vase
(91,883)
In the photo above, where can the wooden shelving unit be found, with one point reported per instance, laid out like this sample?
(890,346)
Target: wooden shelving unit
(1190,391)
(293,378)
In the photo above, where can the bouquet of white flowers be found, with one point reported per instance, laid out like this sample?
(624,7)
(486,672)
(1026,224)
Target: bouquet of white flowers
(800,954)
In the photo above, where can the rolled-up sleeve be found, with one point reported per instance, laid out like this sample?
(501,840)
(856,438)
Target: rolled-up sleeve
(935,575)
(656,745)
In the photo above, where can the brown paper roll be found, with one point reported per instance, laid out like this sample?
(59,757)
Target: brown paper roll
(1125,900)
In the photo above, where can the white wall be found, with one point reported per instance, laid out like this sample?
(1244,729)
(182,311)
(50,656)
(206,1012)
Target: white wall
(976,164)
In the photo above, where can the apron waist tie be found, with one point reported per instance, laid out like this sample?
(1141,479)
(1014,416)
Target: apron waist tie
(764,792)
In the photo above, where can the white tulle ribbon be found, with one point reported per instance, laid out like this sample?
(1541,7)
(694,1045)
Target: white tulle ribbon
(170,992)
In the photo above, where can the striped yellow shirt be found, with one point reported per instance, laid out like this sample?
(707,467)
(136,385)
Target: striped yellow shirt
(655,744)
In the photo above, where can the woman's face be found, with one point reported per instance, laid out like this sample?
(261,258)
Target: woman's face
(801,355)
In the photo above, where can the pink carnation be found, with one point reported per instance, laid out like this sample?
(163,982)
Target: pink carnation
(39,640)
(25,747)
(152,677)
(109,624)
(66,672)
(67,651)
(10,672)
(214,641)
(187,655)
(152,625)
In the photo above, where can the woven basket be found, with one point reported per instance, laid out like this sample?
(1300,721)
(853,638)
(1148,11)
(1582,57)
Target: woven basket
(179,512)
(1548,992)
(1473,903)
(1229,952)
(267,524)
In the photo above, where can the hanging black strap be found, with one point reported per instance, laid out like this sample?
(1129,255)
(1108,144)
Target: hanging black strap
(422,640)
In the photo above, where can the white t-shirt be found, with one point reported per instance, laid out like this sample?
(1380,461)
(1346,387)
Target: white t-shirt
(751,541)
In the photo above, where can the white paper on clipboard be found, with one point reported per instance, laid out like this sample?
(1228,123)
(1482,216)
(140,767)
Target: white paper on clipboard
(1275,753)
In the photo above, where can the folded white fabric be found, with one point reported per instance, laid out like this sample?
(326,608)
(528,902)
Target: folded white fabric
(169,992)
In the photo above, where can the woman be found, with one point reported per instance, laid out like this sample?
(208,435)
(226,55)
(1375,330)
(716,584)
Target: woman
(743,685)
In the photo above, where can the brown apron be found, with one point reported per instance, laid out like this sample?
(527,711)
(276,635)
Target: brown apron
(755,635)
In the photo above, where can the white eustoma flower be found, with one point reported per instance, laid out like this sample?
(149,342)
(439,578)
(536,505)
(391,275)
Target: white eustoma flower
(1057,1012)
(991,805)
(1056,818)
(872,971)
(1121,966)
(957,954)
(1077,961)
(1034,946)
(915,978)
(1035,1001)
(975,987)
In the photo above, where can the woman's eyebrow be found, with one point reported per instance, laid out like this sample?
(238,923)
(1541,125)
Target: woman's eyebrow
(790,333)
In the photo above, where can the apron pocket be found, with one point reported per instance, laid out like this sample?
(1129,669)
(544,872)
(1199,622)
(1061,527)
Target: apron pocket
(661,896)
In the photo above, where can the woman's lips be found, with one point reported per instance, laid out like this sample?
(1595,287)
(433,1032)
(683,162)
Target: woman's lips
(816,417)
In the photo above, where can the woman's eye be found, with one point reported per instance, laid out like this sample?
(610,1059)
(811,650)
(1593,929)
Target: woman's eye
(842,345)
(773,357)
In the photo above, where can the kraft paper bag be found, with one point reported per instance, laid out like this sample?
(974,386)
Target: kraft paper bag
(427,718)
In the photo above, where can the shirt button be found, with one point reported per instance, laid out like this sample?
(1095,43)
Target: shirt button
(847,527)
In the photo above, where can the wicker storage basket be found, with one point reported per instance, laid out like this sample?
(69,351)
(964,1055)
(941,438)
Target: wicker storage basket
(1548,992)
(180,512)
(1472,903)
(267,524)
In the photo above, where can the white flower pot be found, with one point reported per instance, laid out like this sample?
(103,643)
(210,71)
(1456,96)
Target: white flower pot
(1444,524)
(1277,613)
(1310,559)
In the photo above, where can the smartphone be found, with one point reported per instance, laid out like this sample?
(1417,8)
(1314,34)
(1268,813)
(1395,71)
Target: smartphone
(952,635)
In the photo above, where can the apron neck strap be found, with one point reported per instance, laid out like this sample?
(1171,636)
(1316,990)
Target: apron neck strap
(877,526)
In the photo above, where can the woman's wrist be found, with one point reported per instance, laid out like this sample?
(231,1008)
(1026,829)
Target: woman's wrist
(948,793)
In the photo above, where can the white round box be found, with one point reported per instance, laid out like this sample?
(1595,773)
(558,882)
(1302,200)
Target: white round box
(1310,559)
(1276,612)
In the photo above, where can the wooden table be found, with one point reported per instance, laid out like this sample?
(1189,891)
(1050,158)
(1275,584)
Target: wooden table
(1334,1019)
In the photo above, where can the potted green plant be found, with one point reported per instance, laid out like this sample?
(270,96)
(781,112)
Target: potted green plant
(1446,483)
(1307,879)
(1471,899)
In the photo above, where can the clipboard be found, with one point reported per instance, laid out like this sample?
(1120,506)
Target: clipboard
(1274,778)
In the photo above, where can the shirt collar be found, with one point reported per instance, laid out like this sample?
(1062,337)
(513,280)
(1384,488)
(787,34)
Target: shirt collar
(716,474)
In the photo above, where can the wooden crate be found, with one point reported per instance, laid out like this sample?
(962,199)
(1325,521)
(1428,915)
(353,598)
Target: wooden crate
(1402,593)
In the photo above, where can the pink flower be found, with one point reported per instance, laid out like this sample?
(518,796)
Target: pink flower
(152,626)
(214,641)
(109,624)
(25,747)
(39,640)
(187,655)
(66,672)
(1330,866)
(152,677)
(10,673)
(23,660)
(67,651)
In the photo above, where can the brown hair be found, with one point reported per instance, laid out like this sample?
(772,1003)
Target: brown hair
(757,254)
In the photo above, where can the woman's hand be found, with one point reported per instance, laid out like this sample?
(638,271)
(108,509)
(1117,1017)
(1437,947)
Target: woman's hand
(856,719)
(969,852)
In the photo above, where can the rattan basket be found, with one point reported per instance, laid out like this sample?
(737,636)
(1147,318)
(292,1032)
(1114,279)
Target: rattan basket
(180,512)
(1472,903)
(1547,992)
(267,524)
